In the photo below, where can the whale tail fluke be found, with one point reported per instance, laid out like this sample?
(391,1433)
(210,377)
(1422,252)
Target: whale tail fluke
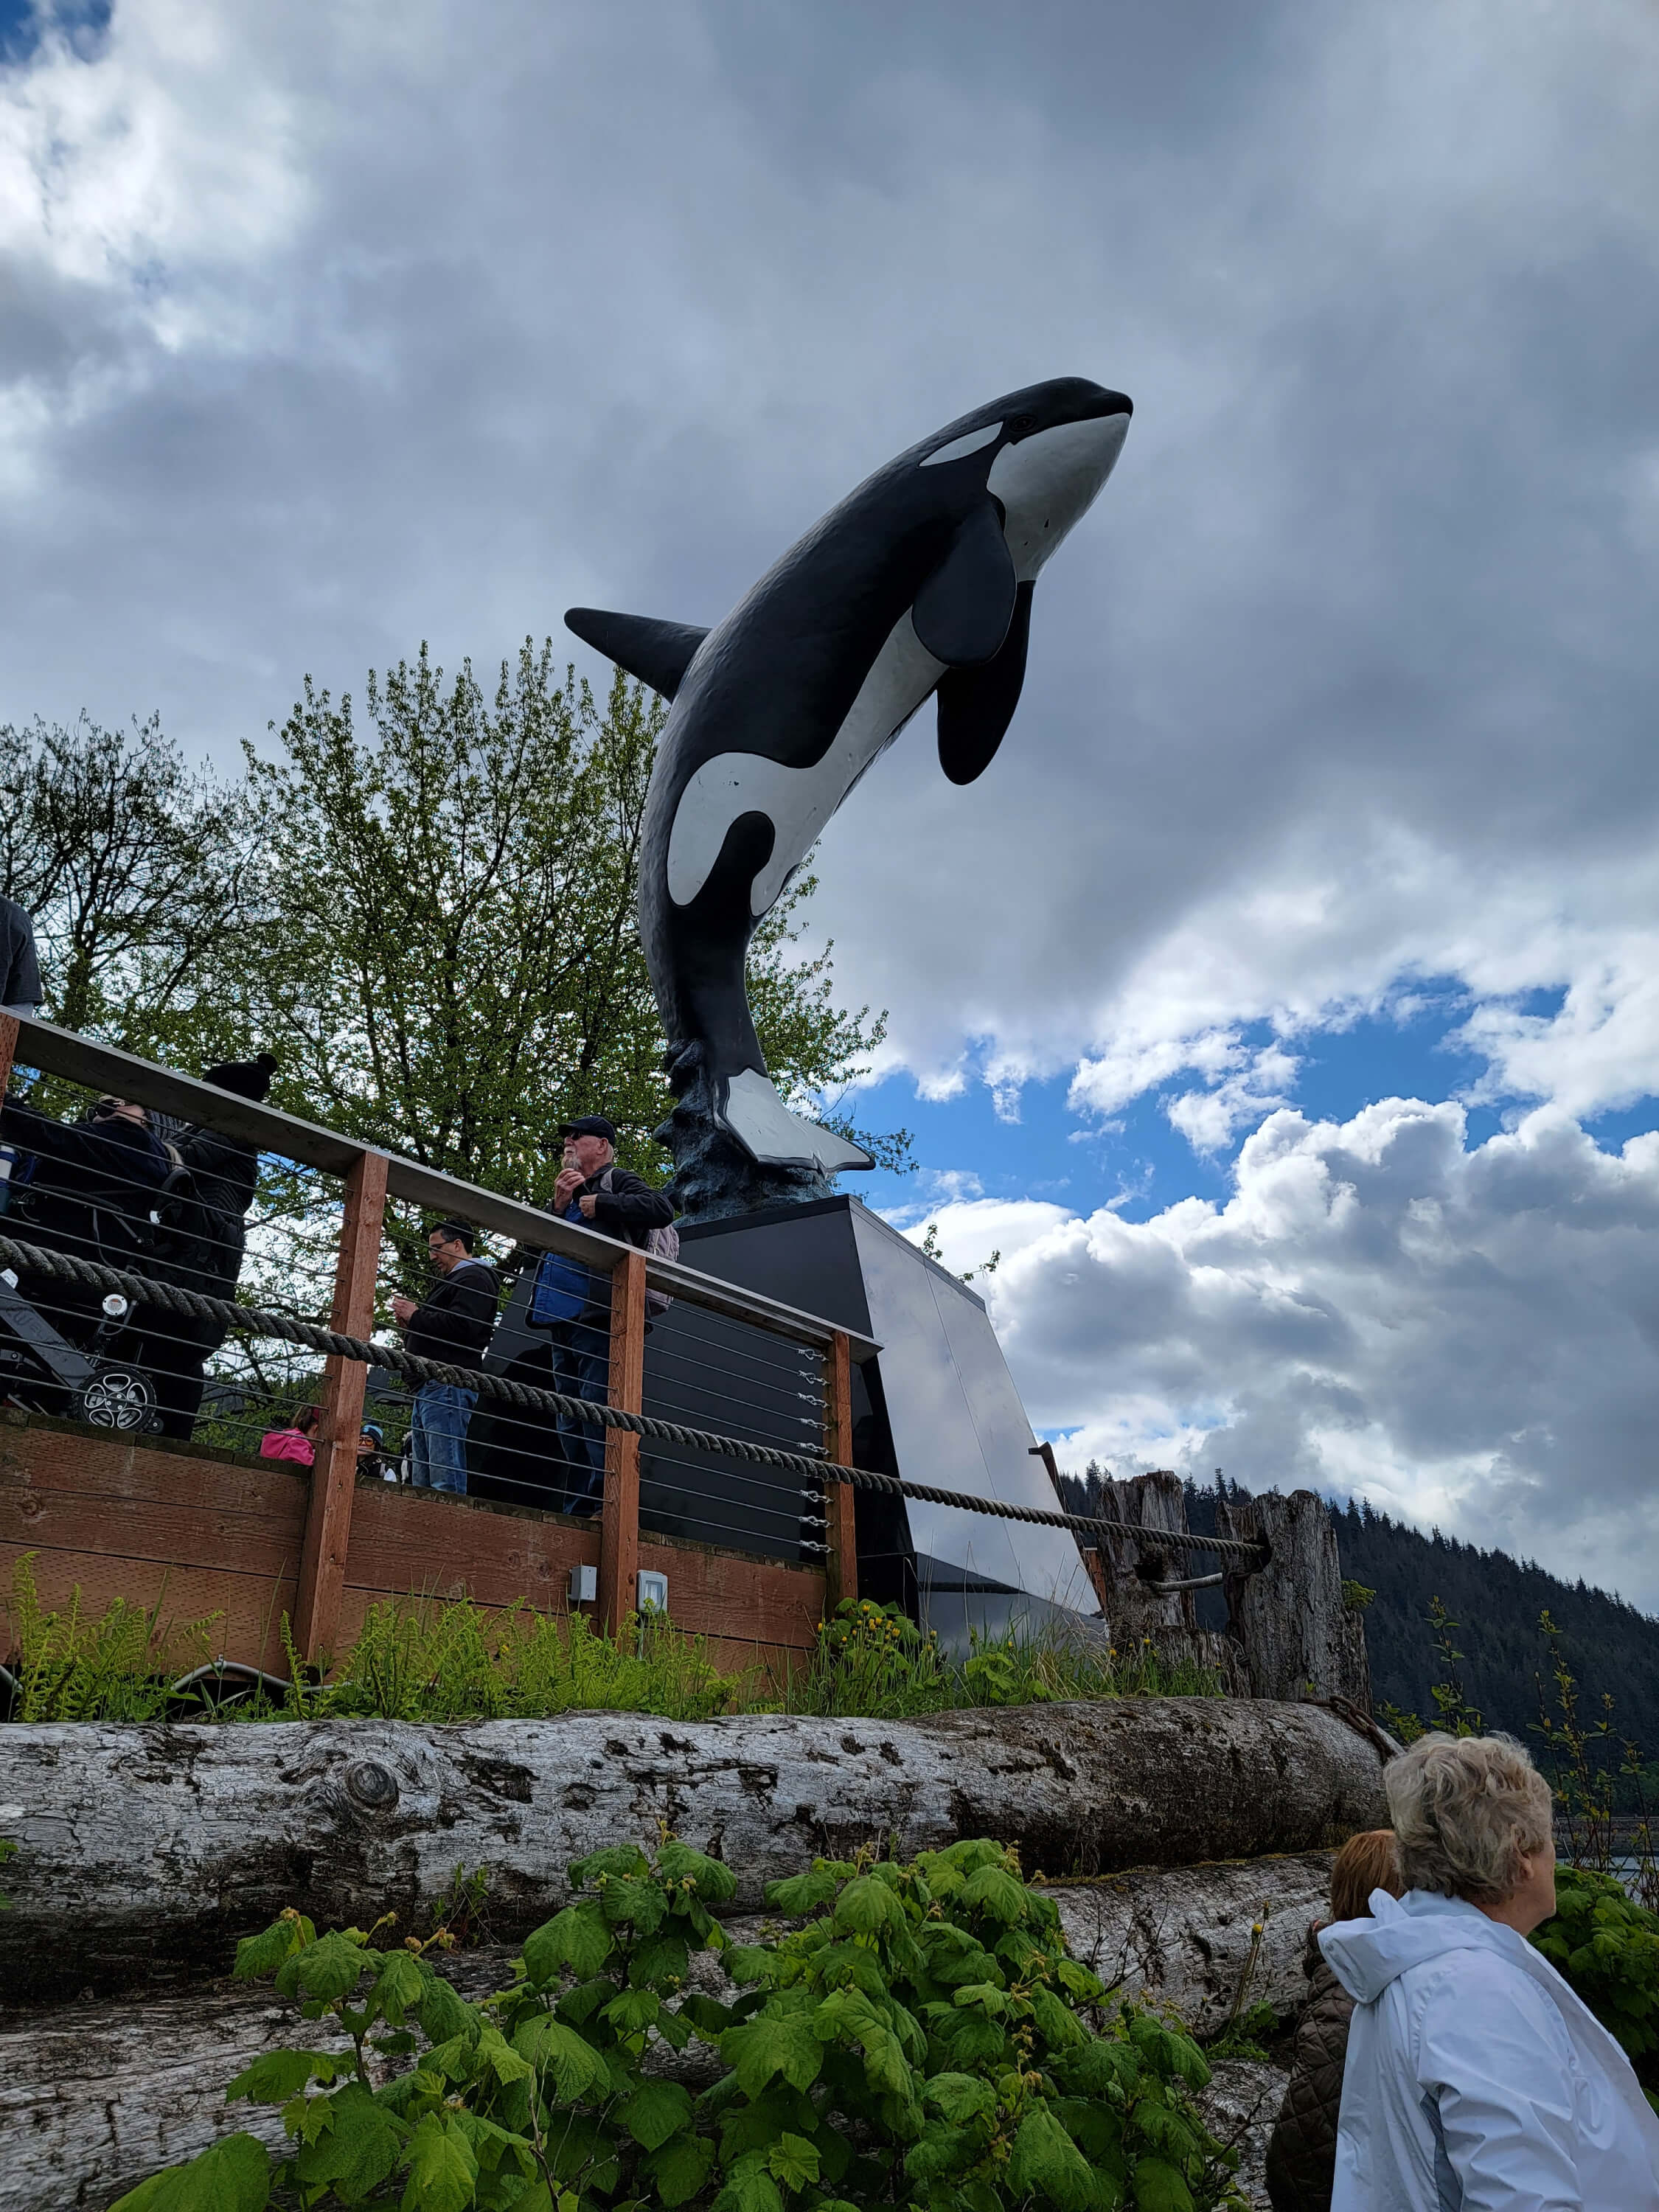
(657,653)
(769,1133)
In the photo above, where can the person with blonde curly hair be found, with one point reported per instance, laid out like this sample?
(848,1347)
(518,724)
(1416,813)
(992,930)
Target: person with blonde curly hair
(1476,2080)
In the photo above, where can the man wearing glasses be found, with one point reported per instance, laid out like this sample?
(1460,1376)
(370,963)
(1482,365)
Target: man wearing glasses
(452,1324)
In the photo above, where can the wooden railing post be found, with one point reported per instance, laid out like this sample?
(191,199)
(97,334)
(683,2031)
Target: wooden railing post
(7,1049)
(333,1478)
(619,1521)
(840,1508)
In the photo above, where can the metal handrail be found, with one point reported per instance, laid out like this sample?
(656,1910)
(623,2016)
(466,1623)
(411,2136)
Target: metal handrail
(84,1060)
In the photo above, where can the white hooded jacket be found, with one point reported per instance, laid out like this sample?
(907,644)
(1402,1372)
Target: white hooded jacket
(1476,2080)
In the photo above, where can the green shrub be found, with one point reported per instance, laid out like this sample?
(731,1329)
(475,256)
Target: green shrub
(871,1660)
(923,2041)
(1607,1947)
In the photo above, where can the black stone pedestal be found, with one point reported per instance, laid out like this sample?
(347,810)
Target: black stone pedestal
(936,1404)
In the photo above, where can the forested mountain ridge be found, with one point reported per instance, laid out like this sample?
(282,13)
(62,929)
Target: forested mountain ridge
(1505,1673)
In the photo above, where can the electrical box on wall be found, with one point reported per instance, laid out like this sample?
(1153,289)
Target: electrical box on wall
(584,1585)
(653,1592)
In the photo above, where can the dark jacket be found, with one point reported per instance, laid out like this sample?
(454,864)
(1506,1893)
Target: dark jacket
(19,971)
(453,1323)
(93,1189)
(1302,2151)
(630,1210)
(203,1225)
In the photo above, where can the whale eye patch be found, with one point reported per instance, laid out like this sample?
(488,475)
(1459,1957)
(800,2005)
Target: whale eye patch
(969,443)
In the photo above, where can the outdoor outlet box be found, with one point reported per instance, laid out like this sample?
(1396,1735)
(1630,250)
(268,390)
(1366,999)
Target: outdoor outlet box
(584,1585)
(653,1592)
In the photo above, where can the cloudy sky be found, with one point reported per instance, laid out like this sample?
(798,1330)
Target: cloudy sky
(1282,1004)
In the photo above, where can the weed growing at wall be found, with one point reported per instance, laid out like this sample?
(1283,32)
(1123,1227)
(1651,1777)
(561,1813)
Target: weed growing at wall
(922,2040)
(871,1660)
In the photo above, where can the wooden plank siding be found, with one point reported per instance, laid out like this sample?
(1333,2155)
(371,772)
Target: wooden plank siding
(205,1532)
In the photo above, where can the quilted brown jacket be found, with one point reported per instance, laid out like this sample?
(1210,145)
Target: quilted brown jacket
(1302,2152)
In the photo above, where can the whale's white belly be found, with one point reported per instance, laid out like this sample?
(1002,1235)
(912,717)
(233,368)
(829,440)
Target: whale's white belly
(798,801)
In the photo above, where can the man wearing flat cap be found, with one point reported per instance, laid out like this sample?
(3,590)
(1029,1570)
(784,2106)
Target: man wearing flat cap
(572,1302)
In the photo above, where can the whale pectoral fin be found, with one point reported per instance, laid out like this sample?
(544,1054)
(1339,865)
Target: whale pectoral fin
(963,612)
(769,1133)
(658,653)
(976,705)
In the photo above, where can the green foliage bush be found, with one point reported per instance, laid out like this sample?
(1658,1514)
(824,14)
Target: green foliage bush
(1607,1947)
(873,1660)
(922,2040)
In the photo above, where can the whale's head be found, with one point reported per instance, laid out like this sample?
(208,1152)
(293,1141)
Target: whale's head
(1043,453)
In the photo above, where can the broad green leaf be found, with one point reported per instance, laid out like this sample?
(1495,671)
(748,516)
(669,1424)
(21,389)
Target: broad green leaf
(678,1863)
(656,2110)
(867,1905)
(330,1967)
(613,1858)
(495,2147)
(1086,1987)
(275,2075)
(550,2046)
(984,1996)
(972,2040)
(233,2176)
(1159,2188)
(706,2014)
(751,2188)
(261,1954)
(680,2168)
(637,1905)
(659,1958)
(503,2061)
(442,2012)
(399,1988)
(633,2010)
(579,1937)
(943,2150)
(839,1964)
(801,1893)
(1046,2161)
(1056,2020)
(357,2149)
(442,2170)
(792,2161)
(749,1962)
(771,2045)
(996,1892)
(960,2097)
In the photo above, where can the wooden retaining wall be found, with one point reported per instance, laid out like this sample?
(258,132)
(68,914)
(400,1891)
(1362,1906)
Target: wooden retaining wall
(200,1532)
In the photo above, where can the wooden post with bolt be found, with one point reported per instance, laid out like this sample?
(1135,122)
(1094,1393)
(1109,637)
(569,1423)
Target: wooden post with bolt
(840,1506)
(7,1049)
(619,1520)
(333,1476)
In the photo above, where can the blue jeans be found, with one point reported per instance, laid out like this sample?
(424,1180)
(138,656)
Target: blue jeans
(437,1437)
(580,1353)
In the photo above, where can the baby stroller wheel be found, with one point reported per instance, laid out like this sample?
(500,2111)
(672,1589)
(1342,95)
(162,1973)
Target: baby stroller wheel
(117,1397)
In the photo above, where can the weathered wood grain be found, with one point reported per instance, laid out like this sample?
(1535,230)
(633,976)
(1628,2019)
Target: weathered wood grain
(143,1850)
(1289,1616)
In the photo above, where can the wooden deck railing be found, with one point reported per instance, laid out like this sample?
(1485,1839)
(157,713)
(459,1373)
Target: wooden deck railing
(372,1177)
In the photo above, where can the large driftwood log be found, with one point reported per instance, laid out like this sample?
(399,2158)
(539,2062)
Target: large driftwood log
(93,2097)
(149,1850)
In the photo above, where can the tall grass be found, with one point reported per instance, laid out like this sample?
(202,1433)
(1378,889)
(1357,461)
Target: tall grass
(425,1660)
(872,1661)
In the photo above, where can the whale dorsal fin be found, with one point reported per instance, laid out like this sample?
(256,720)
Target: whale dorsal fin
(976,705)
(658,653)
(963,612)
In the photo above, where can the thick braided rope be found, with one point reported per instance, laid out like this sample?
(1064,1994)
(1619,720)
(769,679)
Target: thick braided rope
(255,1321)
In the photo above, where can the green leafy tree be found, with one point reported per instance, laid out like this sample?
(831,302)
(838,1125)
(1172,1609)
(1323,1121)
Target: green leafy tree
(136,869)
(923,2040)
(450,960)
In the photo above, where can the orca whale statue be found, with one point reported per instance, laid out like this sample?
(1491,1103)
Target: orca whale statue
(919,582)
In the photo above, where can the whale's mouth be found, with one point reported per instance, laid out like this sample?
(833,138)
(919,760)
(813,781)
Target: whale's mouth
(1045,483)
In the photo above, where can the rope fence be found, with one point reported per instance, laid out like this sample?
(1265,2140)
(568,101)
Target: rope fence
(254,1321)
